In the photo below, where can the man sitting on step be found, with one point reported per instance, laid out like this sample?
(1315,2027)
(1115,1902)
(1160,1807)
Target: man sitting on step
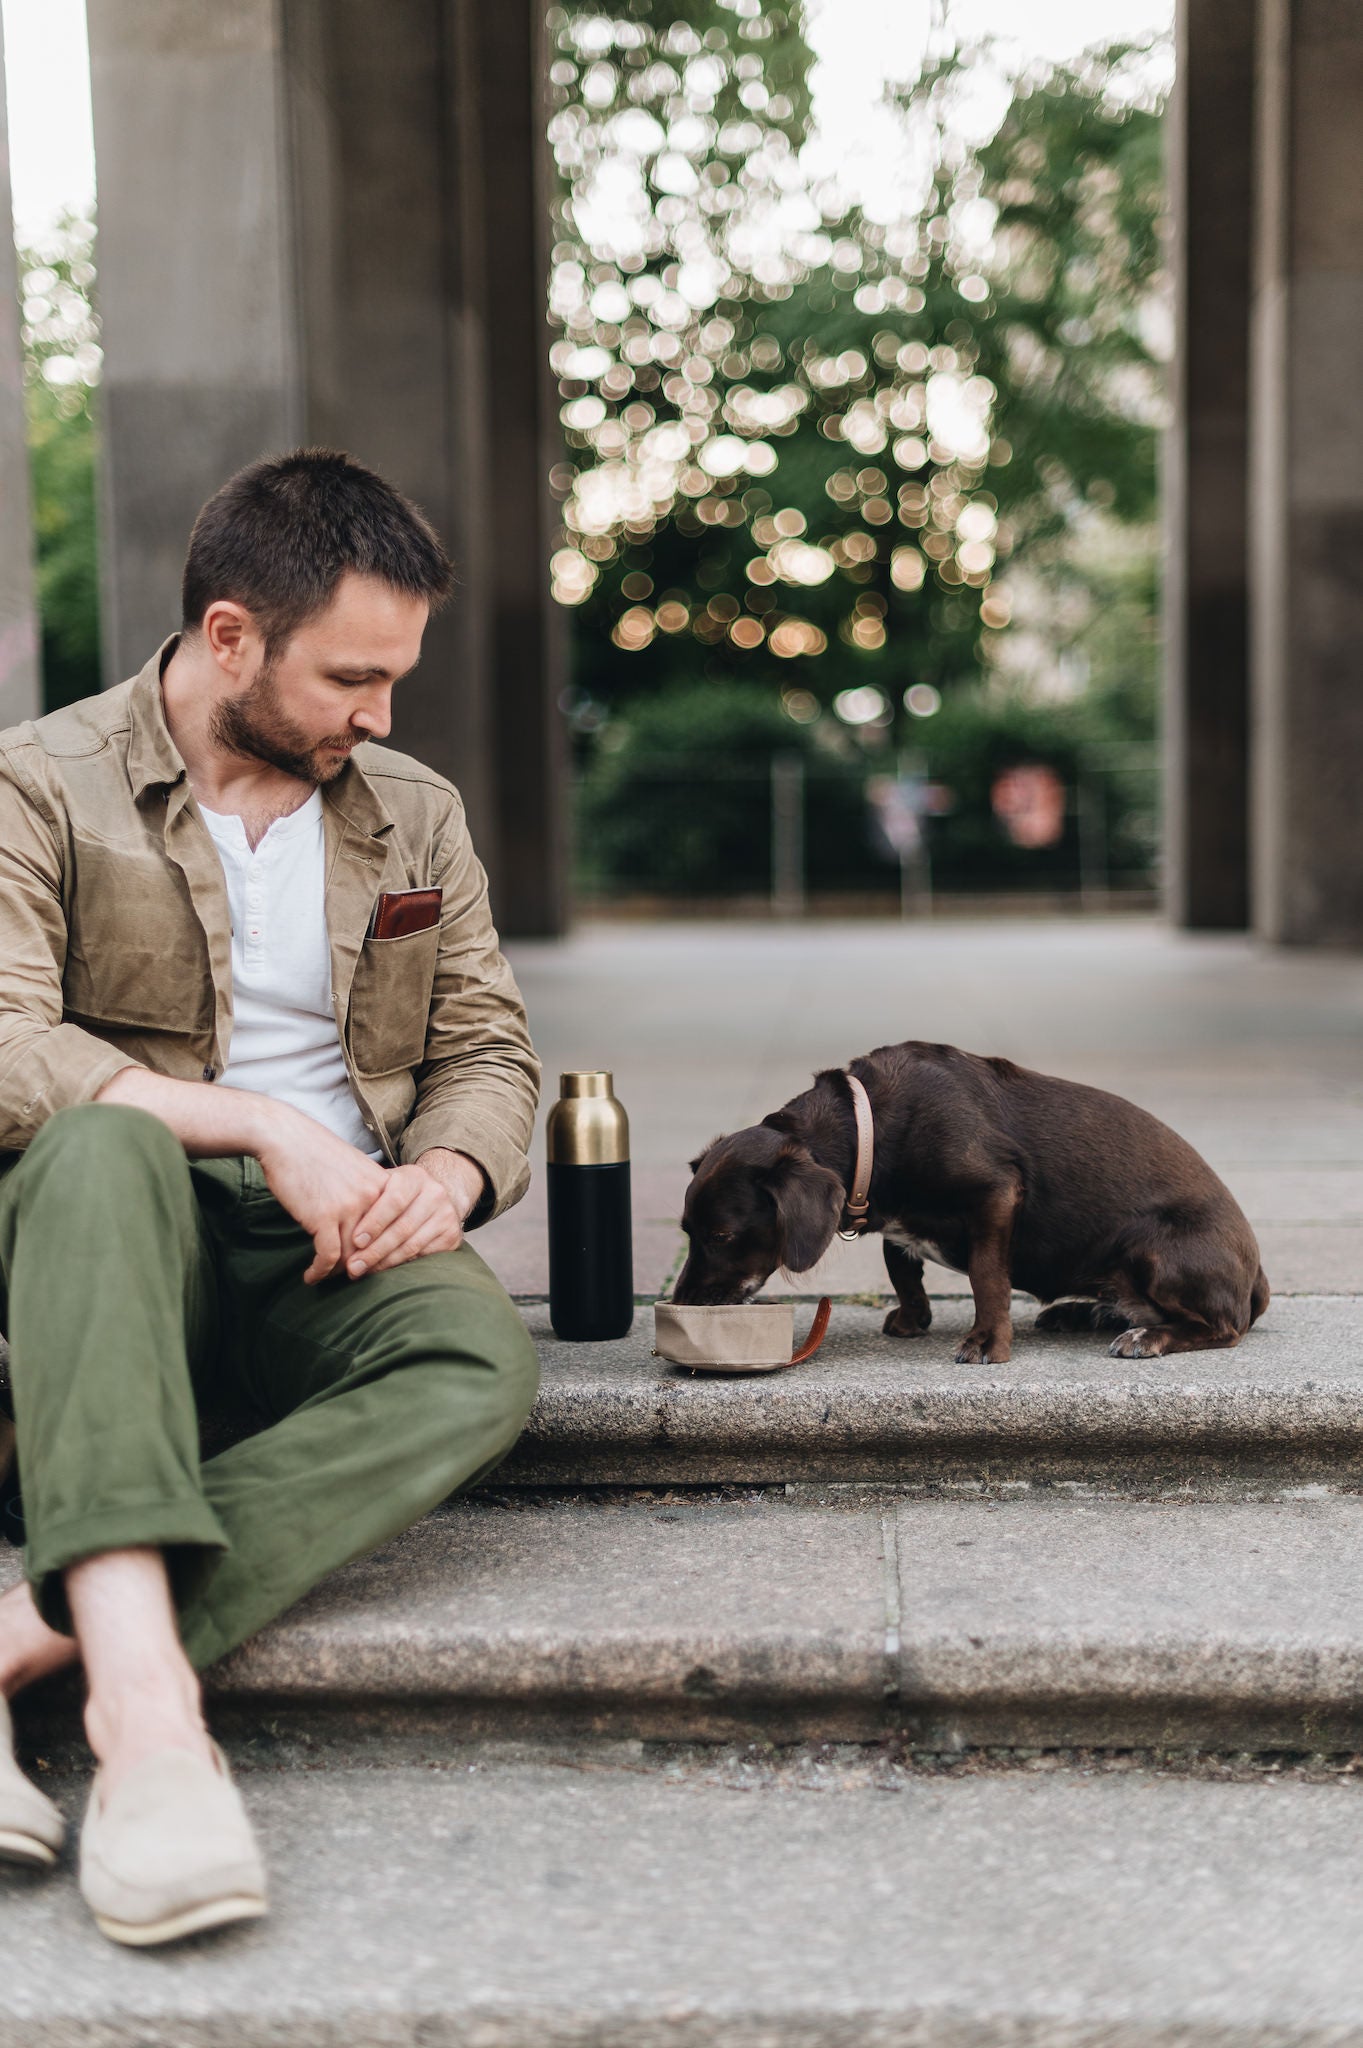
(261,1067)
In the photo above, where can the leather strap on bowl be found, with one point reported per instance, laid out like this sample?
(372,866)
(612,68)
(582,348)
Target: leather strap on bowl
(859,1201)
(818,1330)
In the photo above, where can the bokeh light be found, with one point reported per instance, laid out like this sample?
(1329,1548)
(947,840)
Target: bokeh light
(865,705)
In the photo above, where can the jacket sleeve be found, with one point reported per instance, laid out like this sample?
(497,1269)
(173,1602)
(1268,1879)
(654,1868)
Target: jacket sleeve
(478,1083)
(45,1065)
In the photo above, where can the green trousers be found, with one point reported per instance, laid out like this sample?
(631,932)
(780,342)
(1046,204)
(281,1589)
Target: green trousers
(139,1288)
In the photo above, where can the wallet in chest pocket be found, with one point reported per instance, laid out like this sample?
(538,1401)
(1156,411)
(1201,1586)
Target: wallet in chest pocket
(400,912)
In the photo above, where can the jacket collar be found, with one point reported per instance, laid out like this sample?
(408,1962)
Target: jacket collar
(154,760)
(354,795)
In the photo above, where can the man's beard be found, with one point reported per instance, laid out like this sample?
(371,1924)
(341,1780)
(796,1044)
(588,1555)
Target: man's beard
(256,725)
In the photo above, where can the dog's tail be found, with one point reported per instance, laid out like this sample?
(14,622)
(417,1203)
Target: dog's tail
(1259,1295)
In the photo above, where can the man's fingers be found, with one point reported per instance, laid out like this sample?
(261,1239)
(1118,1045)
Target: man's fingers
(327,1246)
(396,1197)
(441,1234)
(425,1201)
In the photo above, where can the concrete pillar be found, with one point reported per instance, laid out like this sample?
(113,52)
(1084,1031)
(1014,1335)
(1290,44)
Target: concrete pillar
(201,369)
(528,636)
(324,271)
(1207,468)
(385,178)
(1307,481)
(20,695)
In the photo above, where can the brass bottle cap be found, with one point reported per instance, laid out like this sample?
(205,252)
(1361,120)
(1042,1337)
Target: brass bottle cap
(587,1126)
(598,1081)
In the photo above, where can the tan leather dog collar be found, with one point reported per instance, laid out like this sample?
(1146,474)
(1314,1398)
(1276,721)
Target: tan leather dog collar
(859,1201)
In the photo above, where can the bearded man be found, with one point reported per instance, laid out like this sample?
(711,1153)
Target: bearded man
(262,1066)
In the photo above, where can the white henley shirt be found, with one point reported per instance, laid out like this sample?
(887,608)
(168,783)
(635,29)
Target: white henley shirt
(284,1038)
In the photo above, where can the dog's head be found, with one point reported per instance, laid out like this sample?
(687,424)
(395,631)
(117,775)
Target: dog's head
(757,1200)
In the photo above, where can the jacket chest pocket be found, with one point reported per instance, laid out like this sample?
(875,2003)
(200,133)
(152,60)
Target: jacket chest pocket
(390,1001)
(132,941)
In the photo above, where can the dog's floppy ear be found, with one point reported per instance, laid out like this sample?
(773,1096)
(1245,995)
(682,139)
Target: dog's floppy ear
(809,1201)
(704,1153)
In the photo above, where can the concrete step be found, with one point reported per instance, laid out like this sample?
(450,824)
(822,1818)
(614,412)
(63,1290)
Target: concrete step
(741,1902)
(1285,1406)
(1032,1622)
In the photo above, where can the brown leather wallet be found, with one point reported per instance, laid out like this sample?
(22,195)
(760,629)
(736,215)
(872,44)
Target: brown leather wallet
(400,912)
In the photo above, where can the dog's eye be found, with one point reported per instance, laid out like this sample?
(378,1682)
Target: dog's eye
(721,1237)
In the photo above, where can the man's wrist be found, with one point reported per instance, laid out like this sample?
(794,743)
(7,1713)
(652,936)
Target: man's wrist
(462,1178)
(267,1122)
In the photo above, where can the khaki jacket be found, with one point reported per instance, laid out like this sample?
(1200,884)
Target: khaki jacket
(115,939)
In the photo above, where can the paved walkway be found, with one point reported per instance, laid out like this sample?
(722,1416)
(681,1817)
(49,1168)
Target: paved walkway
(1255,1055)
(471,1755)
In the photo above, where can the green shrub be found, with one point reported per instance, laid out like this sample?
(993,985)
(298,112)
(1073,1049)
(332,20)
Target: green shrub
(676,798)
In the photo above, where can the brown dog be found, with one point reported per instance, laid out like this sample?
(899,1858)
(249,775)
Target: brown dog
(1014,1178)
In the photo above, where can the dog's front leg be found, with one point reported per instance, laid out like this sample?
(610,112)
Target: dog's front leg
(913,1315)
(990,1342)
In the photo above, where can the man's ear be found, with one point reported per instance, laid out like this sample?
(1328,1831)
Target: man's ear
(809,1201)
(229,632)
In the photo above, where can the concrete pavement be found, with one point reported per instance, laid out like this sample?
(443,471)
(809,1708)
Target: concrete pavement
(598,1901)
(1052,1573)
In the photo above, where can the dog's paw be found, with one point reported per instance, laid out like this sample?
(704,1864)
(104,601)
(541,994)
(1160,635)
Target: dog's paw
(1149,1343)
(980,1348)
(901,1322)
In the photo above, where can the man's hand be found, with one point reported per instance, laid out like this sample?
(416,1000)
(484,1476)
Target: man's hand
(362,1217)
(325,1184)
(421,1209)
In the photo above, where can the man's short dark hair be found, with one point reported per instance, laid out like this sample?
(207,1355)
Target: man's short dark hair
(280,534)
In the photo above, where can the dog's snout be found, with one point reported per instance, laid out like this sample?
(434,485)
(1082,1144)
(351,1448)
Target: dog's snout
(702,1284)
(695,1289)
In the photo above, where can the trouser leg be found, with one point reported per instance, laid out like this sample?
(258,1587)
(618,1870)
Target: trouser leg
(108,1280)
(390,1393)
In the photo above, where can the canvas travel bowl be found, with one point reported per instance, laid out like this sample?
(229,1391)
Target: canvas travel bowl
(755,1336)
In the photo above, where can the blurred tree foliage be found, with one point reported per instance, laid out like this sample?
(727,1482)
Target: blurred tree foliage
(61,366)
(682,804)
(826,458)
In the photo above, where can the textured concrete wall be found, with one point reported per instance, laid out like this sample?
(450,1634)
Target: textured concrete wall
(1307,484)
(387,306)
(19,683)
(1206,468)
(320,220)
(201,367)
(528,637)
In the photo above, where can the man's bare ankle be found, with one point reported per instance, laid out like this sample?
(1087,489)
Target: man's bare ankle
(142,1721)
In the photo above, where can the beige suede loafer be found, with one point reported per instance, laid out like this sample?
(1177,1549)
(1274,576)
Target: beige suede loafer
(31,1829)
(170,1853)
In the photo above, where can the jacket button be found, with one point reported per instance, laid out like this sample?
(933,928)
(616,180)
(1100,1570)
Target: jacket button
(210,1073)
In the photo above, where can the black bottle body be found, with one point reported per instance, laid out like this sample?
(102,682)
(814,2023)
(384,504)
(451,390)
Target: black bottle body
(591,1251)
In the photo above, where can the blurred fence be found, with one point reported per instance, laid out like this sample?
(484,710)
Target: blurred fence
(787,833)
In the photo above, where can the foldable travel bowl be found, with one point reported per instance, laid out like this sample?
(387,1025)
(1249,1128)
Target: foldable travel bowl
(755,1336)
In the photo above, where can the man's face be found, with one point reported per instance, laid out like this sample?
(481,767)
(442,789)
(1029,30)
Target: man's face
(330,687)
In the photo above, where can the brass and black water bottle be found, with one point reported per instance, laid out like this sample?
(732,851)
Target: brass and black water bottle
(591,1244)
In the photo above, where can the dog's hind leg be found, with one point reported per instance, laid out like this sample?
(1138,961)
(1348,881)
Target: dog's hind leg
(1186,1290)
(1183,1310)
(913,1314)
(1157,1340)
(1260,1295)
